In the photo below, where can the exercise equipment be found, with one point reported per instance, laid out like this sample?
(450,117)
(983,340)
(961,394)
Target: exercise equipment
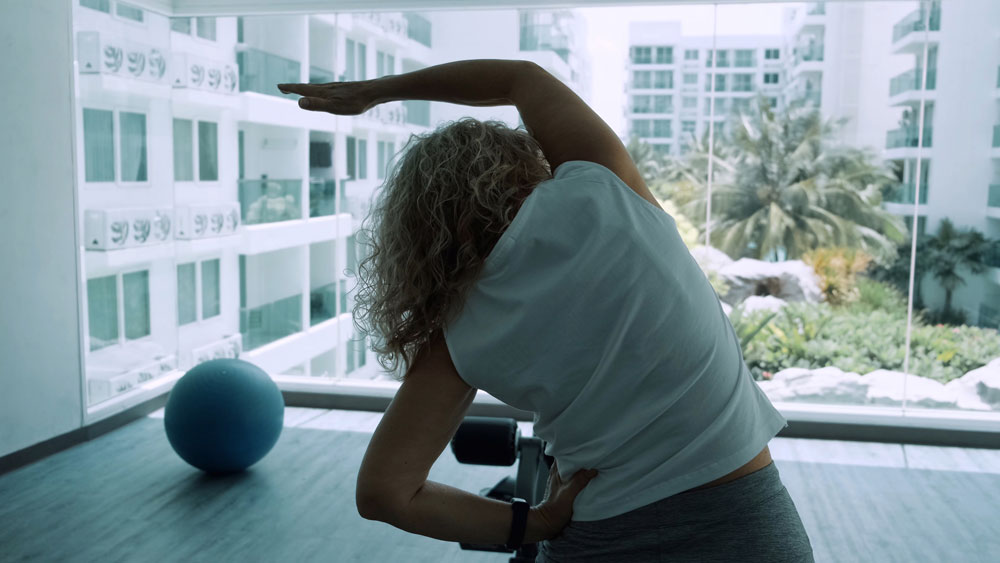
(483,440)
(224,415)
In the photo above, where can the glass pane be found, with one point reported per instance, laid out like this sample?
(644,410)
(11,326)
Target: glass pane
(362,159)
(129,11)
(100,5)
(183,150)
(181,25)
(133,146)
(381,160)
(350,61)
(187,306)
(210,290)
(135,290)
(98,145)
(208,151)
(362,62)
(206,28)
(102,312)
(270,201)
(352,166)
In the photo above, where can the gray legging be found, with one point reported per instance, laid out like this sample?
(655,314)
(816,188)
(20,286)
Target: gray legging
(748,519)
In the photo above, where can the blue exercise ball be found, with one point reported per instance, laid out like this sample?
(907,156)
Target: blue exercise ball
(224,415)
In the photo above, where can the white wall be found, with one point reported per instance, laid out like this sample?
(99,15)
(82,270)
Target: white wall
(40,369)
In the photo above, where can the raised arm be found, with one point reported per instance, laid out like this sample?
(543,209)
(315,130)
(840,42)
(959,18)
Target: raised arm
(563,124)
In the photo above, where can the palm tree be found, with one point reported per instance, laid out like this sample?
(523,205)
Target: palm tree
(783,186)
(651,164)
(953,249)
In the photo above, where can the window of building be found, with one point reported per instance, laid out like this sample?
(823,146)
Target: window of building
(357,158)
(721,107)
(642,128)
(772,103)
(135,299)
(742,83)
(187,288)
(722,56)
(641,55)
(640,104)
(355,60)
(663,128)
(662,149)
(770,78)
(386,150)
(133,147)
(211,296)
(741,105)
(743,58)
(663,79)
(772,54)
(689,102)
(206,28)
(664,55)
(642,79)
(185,147)
(102,311)
(720,83)
(687,127)
(181,25)
(385,64)
(128,11)
(691,54)
(98,145)
(99,5)
(690,78)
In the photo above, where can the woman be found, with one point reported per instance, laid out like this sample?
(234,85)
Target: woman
(540,268)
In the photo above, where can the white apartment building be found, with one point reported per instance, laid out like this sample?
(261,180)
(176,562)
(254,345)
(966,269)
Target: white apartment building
(670,85)
(220,219)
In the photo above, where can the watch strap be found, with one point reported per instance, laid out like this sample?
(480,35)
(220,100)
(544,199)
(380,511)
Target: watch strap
(519,523)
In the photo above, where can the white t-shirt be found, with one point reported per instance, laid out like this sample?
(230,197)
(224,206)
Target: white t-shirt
(591,313)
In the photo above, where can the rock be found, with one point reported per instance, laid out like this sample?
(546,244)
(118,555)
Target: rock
(982,383)
(766,302)
(793,280)
(825,385)
(885,387)
(710,259)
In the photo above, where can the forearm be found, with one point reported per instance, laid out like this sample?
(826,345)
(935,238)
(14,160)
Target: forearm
(483,82)
(449,514)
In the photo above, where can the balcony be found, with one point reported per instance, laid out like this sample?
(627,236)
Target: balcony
(323,303)
(911,81)
(393,24)
(270,322)
(993,196)
(816,9)
(260,71)
(905,193)
(914,21)
(270,201)
(418,28)
(809,54)
(545,37)
(907,138)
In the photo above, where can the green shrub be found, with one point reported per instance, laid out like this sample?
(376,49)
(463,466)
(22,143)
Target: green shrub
(838,269)
(878,296)
(862,338)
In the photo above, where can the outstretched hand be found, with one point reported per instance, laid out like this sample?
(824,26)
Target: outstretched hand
(339,98)
(556,509)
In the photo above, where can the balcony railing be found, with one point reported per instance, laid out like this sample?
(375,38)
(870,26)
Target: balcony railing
(260,71)
(905,193)
(273,321)
(910,80)
(322,198)
(418,112)
(418,28)
(810,54)
(545,37)
(901,138)
(914,21)
(270,201)
(388,22)
(323,303)
(993,197)
(992,256)
(996,136)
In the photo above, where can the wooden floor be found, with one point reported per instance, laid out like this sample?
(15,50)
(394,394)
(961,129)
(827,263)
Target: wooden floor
(127,497)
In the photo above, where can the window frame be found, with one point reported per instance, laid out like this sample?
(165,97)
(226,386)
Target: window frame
(196,151)
(122,339)
(116,145)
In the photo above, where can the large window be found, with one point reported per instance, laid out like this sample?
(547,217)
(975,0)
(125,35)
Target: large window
(189,278)
(743,82)
(641,55)
(386,150)
(185,147)
(100,140)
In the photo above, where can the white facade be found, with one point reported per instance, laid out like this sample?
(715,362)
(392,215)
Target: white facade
(667,93)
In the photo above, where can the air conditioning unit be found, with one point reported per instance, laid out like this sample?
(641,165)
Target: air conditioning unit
(230,346)
(204,74)
(102,53)
(112,229)
(207,220)
(103,383)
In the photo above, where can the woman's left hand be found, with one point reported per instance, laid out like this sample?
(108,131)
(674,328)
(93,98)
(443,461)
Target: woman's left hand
(556,509)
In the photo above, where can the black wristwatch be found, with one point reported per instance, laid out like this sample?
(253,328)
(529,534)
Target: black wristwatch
(519,523)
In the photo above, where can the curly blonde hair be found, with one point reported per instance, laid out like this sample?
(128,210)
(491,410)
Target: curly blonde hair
(441,211)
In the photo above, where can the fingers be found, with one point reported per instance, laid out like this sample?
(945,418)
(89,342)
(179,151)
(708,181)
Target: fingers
(316,104)
(581,478)
(302,89)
